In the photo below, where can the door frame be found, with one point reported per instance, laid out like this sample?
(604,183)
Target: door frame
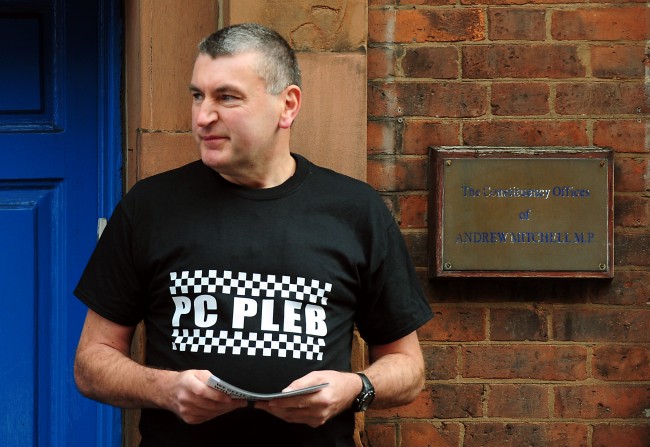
(111,140)
(110,160)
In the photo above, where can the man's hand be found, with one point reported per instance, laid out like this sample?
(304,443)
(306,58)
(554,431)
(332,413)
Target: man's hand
(316,408)
(105,372)
(396,371)
(195,402)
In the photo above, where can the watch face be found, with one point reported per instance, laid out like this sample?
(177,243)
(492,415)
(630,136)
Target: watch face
(366,400)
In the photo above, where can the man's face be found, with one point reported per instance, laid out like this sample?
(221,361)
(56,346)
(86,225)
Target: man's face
(234,120)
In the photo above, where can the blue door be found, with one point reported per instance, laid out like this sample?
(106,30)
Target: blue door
(59,173)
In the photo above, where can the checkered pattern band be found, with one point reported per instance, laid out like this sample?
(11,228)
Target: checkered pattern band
(237,343)
(250,285)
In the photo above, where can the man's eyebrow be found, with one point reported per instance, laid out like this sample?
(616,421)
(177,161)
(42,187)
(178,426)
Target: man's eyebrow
(227,88)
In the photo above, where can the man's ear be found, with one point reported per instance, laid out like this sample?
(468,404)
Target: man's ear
(292,98)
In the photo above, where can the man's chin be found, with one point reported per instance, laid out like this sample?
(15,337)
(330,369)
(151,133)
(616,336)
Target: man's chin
(213,158)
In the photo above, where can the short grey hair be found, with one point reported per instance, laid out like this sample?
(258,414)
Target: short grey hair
(278,65)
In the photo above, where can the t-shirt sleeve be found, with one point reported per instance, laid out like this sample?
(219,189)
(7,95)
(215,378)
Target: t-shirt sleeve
(395,304)
(109,284)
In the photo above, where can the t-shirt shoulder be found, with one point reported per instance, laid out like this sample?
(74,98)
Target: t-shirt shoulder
(352,193)
(342,180)
(174,177)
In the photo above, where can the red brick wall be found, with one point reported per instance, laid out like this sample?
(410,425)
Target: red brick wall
(519,362)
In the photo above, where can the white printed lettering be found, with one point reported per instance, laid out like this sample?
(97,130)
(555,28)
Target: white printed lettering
(183,306)
(203,304)
(242,308)
(315,320)
(291,315)
(267,316)
(310,319)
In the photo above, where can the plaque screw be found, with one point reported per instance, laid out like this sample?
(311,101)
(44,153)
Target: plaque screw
(602,266)
(447,265)
(448,162)
(602,163)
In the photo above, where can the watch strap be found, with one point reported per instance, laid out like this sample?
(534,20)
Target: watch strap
(366,396)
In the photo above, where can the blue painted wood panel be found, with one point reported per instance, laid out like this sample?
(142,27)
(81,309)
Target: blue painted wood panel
(59,172)
(18,324)
(20,59)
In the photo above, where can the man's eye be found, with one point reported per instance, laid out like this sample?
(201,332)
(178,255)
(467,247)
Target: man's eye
(197,96)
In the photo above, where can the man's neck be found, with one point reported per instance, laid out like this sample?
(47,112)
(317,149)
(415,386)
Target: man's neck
(271,174)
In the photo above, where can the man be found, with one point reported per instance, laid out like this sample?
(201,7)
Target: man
(254,265)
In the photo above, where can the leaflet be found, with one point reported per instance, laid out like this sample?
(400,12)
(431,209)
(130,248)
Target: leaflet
(239,393)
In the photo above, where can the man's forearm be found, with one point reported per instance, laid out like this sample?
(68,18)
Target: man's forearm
(396,371)
(397,380)
(107,375)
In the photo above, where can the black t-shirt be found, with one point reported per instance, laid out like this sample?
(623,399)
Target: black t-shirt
(259,286)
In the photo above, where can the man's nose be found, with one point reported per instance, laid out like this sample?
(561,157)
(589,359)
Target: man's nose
(207,113)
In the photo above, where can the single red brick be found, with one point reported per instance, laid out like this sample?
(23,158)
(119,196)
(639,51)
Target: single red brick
(500,434)
(621,23)
(441,362)
(624,136)
(618,61)
(383,100)
(607,325)
(419,135)
(632,211)
(632,249)
(544,362)
(622,362)
(412,173)
(440,25)
(521,61)
(422,407)
(427,2)
(607,98)
(455,323)
(382,136)
(413,211)
(631,174)
(602,401)
(437,99)
(372,3)
(525,133)
(381,174)
(518,324)
(628,435)
(516,24)
(427,434)
(430,62)
(381,25)
(380,63)
(397,174)
(518,401)
(457,400)
(379,435)
(520,98)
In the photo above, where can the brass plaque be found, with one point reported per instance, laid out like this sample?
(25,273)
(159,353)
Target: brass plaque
(525,212)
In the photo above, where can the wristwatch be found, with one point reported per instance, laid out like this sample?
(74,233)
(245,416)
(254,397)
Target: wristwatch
(365,397)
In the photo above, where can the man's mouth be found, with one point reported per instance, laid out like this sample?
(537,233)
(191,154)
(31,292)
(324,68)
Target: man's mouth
(212,140)
(212,137)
